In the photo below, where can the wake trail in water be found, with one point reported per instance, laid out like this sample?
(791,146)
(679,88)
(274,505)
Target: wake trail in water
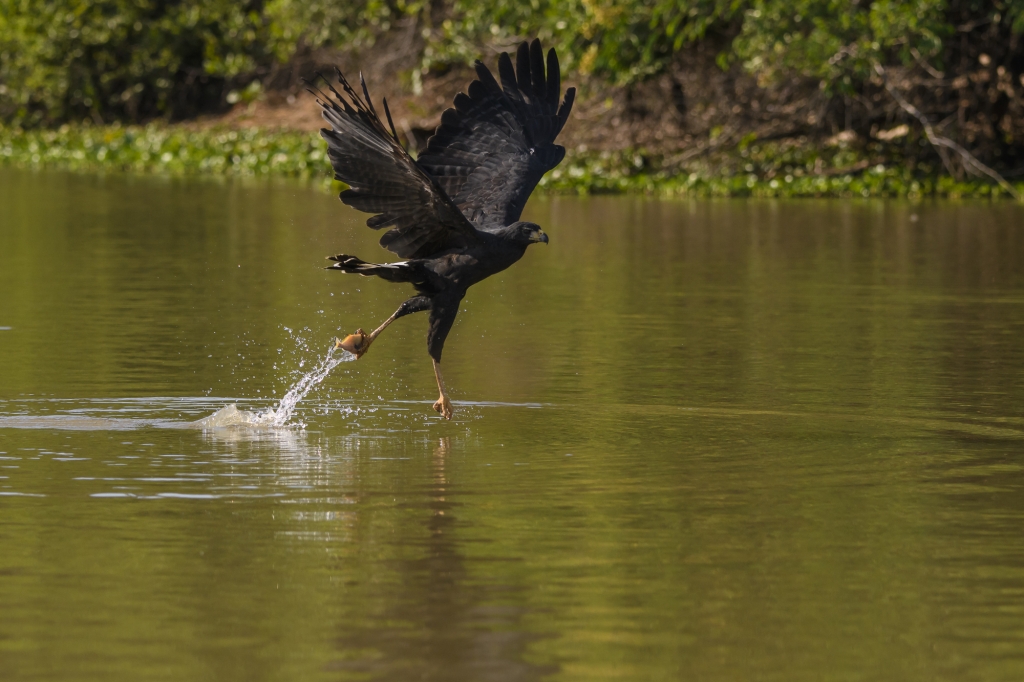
(278,416)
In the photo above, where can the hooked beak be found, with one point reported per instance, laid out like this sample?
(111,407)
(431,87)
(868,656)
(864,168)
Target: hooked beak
(539,236)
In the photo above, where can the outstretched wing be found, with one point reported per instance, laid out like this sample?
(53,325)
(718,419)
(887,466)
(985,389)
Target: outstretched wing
(384,180)
(492,149)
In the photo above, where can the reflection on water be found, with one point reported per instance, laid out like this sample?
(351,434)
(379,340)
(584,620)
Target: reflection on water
(693,440)
(440,623)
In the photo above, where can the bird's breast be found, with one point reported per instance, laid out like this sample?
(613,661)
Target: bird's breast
(466,269)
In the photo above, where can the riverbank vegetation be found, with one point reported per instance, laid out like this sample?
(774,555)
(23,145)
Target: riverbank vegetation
(812,97)
(771,169)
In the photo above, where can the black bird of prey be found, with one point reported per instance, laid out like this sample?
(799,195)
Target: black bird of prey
(454,211)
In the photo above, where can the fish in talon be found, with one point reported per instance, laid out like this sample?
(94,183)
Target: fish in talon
(356,344)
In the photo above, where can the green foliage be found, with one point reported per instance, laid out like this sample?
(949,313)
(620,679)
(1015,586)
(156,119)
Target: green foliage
(126,59)
(69,59)
(614,39)
(103,60)
(836,42)
(168,149)
(617,40)
(753,169)
(63,59)
(295,25)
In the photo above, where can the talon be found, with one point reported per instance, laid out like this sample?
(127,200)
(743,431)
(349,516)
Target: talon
(444,406)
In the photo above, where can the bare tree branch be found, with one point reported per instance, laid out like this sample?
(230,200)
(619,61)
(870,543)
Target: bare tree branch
(935,73)
(942,143)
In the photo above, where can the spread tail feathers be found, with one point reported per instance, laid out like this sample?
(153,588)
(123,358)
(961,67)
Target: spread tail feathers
(403,271)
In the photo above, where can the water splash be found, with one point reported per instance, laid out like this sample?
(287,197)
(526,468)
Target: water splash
(309,381)
(281,414)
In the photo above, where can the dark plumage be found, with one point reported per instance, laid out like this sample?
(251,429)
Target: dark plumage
(454,212)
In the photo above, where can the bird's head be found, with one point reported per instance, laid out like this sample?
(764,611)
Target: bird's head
(526,233)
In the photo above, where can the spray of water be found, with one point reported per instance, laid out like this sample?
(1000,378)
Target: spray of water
(281,414)
(286,407)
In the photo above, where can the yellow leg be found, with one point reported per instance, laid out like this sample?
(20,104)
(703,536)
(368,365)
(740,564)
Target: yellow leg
(443,405)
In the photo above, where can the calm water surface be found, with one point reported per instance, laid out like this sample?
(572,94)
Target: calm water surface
(694,440)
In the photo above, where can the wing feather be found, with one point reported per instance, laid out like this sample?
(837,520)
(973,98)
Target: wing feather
(539,81)
(554,80)
(493,147)
(384,180)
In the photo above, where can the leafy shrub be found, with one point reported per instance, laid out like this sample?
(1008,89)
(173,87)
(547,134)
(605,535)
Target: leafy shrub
(127,59)
(619,41)
(132,60)
(168,149)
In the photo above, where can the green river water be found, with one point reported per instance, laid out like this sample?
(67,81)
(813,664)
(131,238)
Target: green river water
(693,440)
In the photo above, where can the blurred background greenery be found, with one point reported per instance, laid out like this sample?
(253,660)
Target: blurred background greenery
(673,81)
